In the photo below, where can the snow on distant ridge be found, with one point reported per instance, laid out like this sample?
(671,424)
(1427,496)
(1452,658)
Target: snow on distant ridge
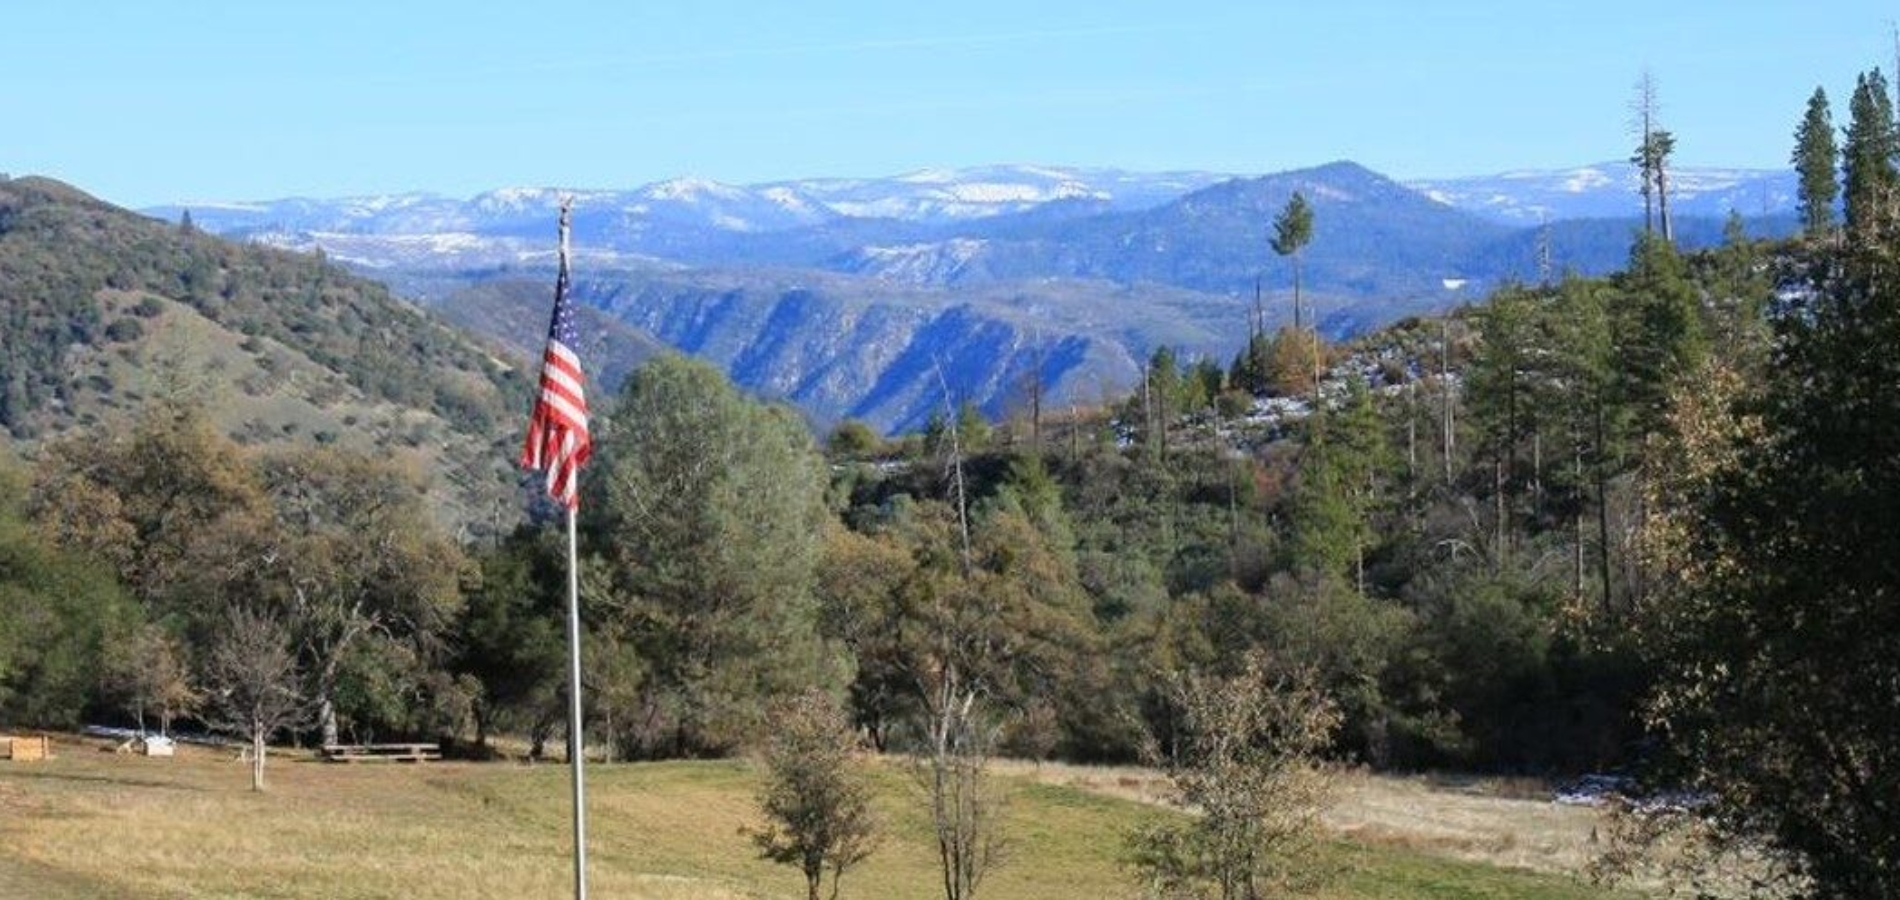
(1609,190)
(1586,179)
(1007,192)
(690,188)
(925,196)
(920,264)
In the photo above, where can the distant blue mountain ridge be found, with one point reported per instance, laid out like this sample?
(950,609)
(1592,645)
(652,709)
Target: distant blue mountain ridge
(1199,230)
(835,293)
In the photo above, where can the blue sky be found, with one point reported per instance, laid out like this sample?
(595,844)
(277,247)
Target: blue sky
(149,102)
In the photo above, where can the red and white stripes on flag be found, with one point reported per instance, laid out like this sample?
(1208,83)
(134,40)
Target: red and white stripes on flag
(557,429)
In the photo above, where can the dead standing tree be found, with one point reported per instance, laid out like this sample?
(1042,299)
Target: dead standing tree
(1651,157)
(962,647)
(964,803)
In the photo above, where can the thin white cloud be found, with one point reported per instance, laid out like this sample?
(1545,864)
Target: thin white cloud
(858,46)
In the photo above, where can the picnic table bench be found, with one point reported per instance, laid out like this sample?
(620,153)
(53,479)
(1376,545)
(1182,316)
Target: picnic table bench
(352,753)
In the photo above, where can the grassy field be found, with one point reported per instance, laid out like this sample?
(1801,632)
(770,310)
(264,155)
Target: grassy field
(1500,822)
(93,824)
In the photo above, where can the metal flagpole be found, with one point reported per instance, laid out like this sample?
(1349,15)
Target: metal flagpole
(576,756)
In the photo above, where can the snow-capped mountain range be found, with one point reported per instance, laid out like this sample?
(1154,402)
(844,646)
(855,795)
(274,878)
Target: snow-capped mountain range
(1609,190)
(935,196)
(930,196)
(841,294)
(919,225)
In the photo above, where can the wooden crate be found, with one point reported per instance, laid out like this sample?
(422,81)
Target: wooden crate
(25,749)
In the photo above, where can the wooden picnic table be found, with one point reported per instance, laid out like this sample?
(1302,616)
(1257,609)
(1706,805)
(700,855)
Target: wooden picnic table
(352,753)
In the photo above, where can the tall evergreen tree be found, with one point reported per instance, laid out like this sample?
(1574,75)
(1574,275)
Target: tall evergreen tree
(1499,395)
(1780,648)
(1663,145)
(707,515)
(510,635)
(1347,456)
(1660,330)
(1815,158)
(1584,370)
(1252,363)
(1869,154)
(1164,394)
(1739,293)
(1292,231)
(1651,159)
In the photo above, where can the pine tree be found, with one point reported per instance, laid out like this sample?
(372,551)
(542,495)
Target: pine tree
(1868,155)
(707,516)
(1815,158)
(1778,652)
(1663,145)
(1651,159)
(1585,369)
(1661,336)
(1164,400)
(1347,455)
(1499,383)
(1293,230)
(1739,294)
(1252,364)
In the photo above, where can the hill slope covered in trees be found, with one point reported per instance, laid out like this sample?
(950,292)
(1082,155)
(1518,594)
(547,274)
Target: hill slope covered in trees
(107,310)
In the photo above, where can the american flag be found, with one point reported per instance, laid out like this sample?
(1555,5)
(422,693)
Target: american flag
(557,430)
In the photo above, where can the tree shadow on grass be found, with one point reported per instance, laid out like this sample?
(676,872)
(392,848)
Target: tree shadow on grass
(23,878)
(113,780)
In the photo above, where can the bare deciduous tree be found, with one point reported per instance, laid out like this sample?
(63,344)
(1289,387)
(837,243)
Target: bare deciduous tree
(964,803)
(252,680)
(1244,759)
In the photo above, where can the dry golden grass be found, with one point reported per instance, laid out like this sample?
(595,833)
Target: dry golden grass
(95,824)
(1500,822)
(1482,821)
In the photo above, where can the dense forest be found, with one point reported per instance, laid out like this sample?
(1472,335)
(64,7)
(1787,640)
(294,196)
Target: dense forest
(1642,522)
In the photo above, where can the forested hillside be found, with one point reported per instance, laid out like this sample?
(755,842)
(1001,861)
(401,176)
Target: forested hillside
(108,312)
